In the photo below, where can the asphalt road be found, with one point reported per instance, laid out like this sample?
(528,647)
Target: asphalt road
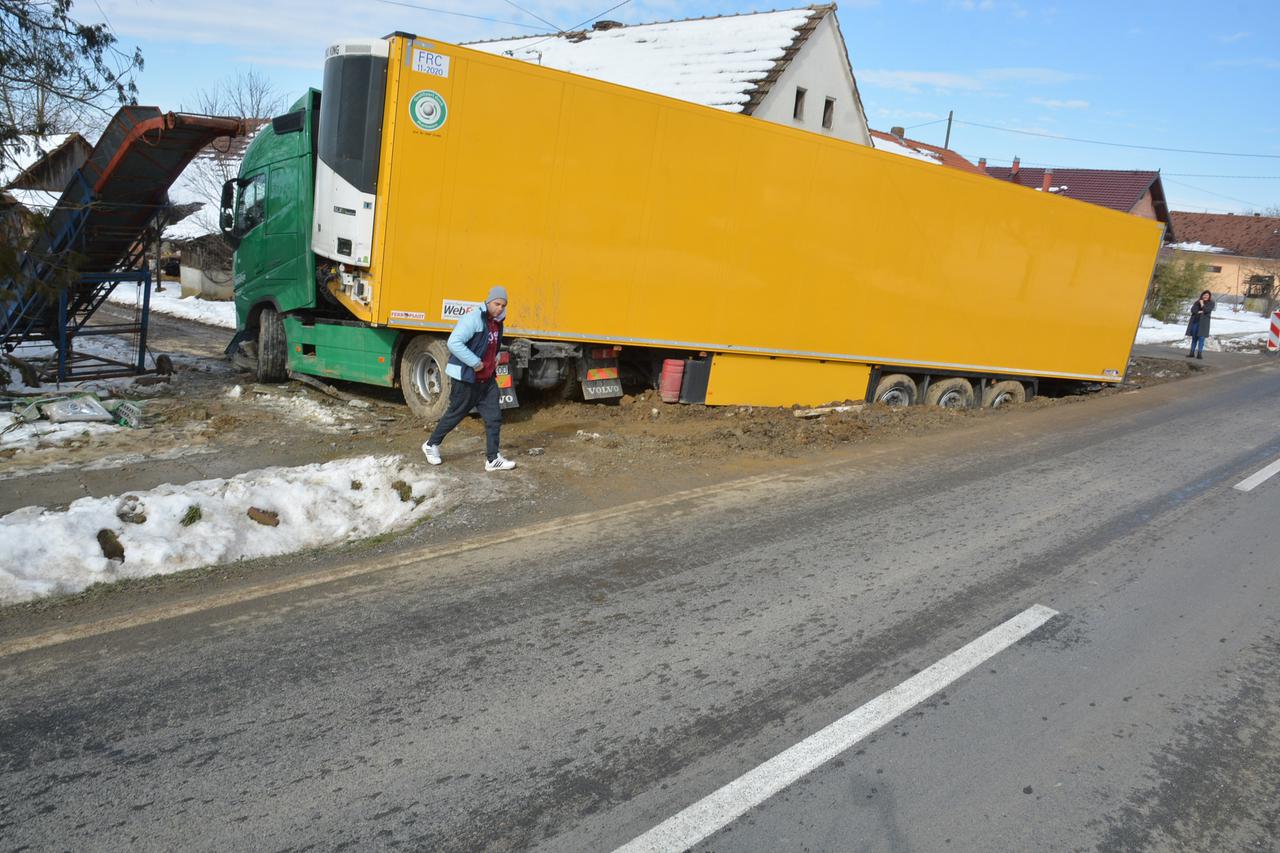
(574,685)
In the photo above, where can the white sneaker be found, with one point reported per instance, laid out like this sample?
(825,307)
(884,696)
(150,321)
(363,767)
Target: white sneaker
(499,463)
(432,452)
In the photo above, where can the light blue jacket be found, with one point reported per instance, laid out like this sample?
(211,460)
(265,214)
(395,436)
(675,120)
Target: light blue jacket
(468,334)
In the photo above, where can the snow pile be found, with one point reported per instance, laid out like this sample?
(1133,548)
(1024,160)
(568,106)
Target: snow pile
(172,528)
(172,302)
(902,150)
(1197,247)
(713,61)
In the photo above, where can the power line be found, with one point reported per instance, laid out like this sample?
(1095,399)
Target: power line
(1119,144)
(1163,174)
(926,124)
(519,8)
(1219,195)
(576,26)
(459,14)
(1225,177)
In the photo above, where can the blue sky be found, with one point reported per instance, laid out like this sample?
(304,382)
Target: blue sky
(1177,75)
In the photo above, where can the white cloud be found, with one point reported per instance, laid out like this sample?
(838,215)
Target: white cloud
(1233,38)
(982,80)
(1253,62)
(1055,104)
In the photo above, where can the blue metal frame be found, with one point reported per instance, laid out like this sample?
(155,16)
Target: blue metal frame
(27,318)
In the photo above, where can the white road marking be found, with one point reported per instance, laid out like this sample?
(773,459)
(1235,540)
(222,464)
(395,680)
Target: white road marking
(720,808)
(1248,484)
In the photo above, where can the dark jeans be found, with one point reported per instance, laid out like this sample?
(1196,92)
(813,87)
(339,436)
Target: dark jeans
(1197,344)
(465,396)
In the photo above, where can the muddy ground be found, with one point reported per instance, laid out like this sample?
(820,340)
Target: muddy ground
(210,419)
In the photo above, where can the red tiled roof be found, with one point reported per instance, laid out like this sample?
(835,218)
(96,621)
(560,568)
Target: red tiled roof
(1241,234)
(946,155)
(1104,187)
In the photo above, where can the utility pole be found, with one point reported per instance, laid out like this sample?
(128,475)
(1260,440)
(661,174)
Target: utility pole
(950,113)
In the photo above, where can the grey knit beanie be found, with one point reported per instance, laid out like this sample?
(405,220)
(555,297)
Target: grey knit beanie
(496,292)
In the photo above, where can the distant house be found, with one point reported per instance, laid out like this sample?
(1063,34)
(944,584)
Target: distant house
(33,173)
(1242,253)
(193,233)
(1139,193)
(790,67)
(896,142)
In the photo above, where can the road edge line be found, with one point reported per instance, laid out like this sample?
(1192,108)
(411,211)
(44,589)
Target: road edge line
(725,805)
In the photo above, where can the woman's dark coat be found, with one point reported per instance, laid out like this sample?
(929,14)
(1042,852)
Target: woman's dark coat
(1202,312)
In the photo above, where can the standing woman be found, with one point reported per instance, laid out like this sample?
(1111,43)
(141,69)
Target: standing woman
(1198,325)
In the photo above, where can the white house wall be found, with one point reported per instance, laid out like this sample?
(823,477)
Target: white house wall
(821,68)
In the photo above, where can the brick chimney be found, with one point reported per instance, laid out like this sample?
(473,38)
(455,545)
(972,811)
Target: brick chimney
(982,162)
(898,132)
(1017,164)
(1048,180)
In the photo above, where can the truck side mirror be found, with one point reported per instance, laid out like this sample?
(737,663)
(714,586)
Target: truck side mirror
(227,214)
(227,209)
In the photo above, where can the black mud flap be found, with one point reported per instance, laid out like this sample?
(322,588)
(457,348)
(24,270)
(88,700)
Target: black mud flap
(598,373)
(506,388)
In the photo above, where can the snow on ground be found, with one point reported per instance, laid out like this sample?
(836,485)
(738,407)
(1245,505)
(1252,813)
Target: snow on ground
(1244,325)
(171,301)
(52,551)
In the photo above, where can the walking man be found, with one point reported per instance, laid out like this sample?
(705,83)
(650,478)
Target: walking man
(473,361)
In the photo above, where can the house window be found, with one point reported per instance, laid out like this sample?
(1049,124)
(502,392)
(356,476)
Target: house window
(828,113)
(1214,268)
(797,112)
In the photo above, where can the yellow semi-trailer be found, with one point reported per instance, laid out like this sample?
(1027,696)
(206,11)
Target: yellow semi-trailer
(787,267)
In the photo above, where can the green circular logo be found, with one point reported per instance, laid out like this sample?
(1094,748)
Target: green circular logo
(428,110)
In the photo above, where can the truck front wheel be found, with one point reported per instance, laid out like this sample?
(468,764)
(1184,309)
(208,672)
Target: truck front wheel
(422,377)
(272,349)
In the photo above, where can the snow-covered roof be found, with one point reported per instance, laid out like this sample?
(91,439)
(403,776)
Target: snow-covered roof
(41,201)
(884,142)
(718,62)
(25,152)
(1193,246)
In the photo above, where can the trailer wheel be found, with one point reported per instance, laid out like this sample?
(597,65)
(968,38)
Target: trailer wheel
(953,393)
(272,349)
(1004,393)
(896,389)
(422,378)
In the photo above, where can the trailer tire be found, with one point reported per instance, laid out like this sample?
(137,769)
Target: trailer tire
(272,347)
(423,381)
(896,389)
(953,393)
(1003,394)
